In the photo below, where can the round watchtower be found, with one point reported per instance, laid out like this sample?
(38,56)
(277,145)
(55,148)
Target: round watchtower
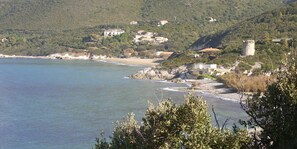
(248,48)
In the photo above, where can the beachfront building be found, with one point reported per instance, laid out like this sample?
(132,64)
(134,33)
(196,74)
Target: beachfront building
(202,68)
(113,32)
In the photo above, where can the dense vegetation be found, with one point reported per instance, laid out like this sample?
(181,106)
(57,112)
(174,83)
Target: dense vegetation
(65,14)
(275,110)
(169,125)
(22,21)
(278,24)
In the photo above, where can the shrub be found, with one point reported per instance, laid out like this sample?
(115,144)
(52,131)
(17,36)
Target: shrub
(275,110)
(169,125)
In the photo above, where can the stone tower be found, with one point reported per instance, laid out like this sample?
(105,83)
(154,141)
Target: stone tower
(248,48)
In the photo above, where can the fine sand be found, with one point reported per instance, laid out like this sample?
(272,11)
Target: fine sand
(125,61)
(134,61)
(211,87)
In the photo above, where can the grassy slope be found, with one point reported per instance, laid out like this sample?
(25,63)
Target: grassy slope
(279,23)
(65,14)
(222,10)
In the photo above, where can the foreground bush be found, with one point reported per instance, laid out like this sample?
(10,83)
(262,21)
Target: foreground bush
(275,110)
(169,125)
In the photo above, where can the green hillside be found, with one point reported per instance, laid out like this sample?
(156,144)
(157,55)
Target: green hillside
(279,23)
(275,33)
(66,14)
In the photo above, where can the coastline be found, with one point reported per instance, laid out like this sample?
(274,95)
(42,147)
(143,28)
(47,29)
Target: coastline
(209,87)
(132,61)
(205,86)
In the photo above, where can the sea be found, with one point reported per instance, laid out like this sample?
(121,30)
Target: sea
(67,104)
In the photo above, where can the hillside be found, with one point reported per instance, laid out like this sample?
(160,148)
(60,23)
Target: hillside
(275,33)
(66,14)
(279,23)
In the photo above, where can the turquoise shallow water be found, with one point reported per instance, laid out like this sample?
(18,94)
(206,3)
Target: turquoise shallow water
(53,104)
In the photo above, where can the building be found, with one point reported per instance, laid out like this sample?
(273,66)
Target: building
(133,23)
(211,19)
(160,39)
(163,54)
(248,48)
(162,22)
(210,50)
(113,32)
(205,68)
(280,40)
(149,37)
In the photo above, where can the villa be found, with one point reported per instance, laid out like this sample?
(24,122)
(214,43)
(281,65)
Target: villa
(162,22)
(113,32)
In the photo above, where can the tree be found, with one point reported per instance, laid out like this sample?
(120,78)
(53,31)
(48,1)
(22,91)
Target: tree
(169,125)
(275,110)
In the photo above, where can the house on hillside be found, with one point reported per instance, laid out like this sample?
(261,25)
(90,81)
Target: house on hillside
(280,40)
(148,37)
(204,68)
(162,22)
(133,23)
(207,51)
(113,32)
(211,19)
(163,54)
(160,39)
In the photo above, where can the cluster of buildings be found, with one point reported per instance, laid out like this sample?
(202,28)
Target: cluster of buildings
(148,37)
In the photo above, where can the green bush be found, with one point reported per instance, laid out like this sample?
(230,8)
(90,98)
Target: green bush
(275,110)
(169,125)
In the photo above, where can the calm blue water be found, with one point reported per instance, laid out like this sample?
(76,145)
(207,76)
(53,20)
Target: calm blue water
(53,104)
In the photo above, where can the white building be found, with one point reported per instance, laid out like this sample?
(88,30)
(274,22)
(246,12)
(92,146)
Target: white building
(149,37)
(113,32)
(205,66)
(162,22)
(161,39)
(211,19)
(133,23)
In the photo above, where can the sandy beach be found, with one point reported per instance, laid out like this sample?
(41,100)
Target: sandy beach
(125,61)
(134,61)
(210,87)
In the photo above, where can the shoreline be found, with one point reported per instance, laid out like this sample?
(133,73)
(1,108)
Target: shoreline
(211,88)
(205,86)
(132,61)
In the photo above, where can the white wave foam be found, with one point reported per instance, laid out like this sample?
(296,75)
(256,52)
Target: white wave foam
(227,99)
(116,63)
(174,89)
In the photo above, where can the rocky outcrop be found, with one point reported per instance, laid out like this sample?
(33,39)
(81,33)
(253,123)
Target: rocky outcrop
(157,73)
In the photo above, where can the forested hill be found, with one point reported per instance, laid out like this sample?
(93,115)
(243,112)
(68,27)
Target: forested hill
(279,23)
(69,14)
